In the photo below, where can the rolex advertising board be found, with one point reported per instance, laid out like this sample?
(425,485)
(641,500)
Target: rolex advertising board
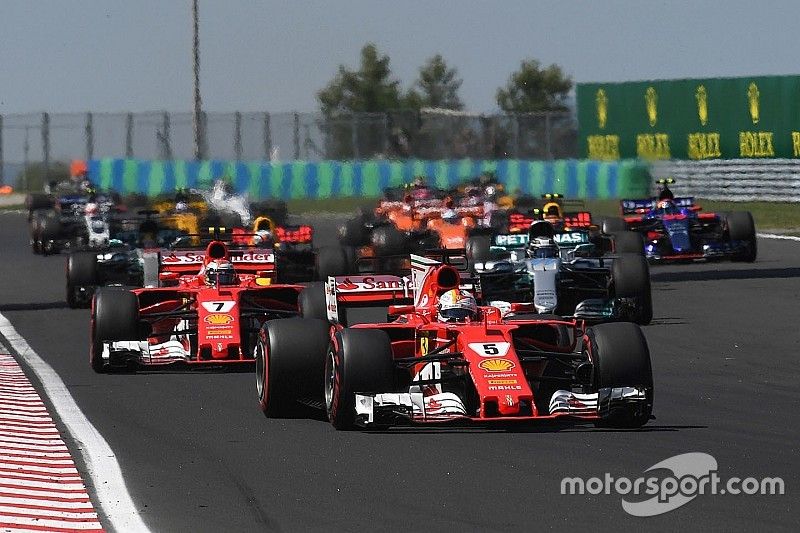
(720,118)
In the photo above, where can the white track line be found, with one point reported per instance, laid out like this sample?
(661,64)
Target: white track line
(110,491)
(776,236)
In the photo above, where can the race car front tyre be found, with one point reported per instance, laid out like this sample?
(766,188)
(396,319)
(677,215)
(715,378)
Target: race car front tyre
(742,228)
(478,249)
(332,261)
(49,232)
(358,361)
(628,242)
(620,357)
(290,358)
(115,317)
(312,301)
(81,274)
(630,277)
(36,201)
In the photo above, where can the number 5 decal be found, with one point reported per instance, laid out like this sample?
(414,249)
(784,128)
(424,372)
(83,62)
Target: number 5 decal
(490,349)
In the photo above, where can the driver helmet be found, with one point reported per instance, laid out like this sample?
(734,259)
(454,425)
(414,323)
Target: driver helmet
(457,305)
(220,271)
(181,206)
(542,247)
(418,181)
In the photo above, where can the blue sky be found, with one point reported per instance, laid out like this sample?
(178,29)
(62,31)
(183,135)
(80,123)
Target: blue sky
(116,55)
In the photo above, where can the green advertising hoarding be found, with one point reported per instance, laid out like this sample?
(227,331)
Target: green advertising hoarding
(719,118)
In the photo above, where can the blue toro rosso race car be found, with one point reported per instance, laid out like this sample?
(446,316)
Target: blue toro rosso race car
(676,229)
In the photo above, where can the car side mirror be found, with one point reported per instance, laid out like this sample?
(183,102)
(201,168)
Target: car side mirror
(395,310)
(168,276)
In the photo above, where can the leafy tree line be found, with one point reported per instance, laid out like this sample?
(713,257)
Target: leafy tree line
(397,127)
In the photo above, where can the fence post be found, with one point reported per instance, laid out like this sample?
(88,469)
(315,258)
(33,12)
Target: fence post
(385,148)
(354,136)
(89,131)
(516,135)
(548,141)
(2,162)
(165,137)
(46,144)
(237,135)
(267,138)
(129,136)
(26,146)
(296,135)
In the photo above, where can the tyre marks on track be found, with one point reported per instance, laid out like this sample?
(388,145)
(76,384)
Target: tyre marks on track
(40,488)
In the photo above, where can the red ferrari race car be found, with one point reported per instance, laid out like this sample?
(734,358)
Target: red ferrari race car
(206,310)
(444,359)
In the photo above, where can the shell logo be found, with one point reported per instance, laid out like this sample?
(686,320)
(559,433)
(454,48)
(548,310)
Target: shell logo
(496,365)
(218,319)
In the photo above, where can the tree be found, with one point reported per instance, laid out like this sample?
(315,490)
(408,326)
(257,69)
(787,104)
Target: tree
(438,85)
(533,88)
(351,93)
(368,89)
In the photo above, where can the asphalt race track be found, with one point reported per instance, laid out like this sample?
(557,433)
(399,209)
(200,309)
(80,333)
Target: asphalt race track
(198,455)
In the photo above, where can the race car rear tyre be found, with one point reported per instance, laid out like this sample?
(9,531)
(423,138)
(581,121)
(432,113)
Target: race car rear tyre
(312,301)
(388,240)
(478,249)
(332,261)
(81,273)
(612,225)
(274,209)
(620,357)
(741,227)
(290,361)
(630,275)
(498,221)
(358,361)
(628,242)
(353,232)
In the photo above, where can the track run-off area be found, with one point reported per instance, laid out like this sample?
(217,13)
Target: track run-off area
(191,451)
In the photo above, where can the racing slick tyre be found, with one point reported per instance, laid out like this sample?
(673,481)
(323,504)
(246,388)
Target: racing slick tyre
(388,240)
(274,209)
(36,201)
(312,301)
(353,232)
(332,261)
(628,242)
(612,225)
(290,360)
(81,273)
(630,276)
(358,361)
(498,221)
(49,232)
(742,228)
(35,226)
(115,317)
(478,249)
(620,357)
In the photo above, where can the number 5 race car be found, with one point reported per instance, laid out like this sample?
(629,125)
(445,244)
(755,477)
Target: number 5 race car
(495,368)
(206,311)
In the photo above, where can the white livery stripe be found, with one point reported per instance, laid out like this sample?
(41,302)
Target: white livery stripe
(40,488)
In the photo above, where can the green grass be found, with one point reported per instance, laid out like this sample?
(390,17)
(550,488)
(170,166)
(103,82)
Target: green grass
(768,215)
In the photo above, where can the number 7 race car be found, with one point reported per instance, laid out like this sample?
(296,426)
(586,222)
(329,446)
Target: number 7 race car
(500,367)
(207,311)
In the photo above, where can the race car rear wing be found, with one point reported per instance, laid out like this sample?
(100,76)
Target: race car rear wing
(642,205)
(379,290)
